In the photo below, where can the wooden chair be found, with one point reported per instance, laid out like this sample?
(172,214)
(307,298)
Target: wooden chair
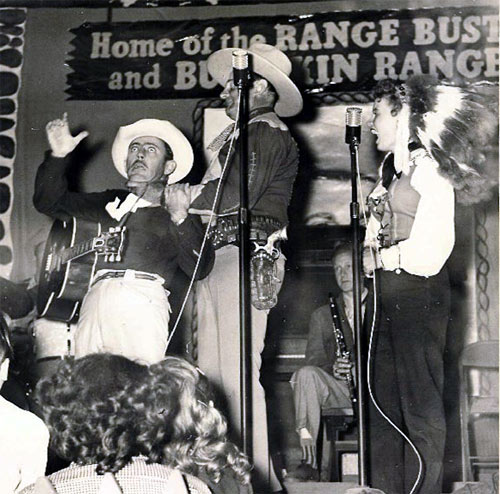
(335,422)
(478,413)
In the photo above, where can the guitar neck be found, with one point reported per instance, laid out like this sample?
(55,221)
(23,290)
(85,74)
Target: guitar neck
(77,250)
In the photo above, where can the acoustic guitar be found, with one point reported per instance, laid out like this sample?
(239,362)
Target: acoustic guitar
(69,261)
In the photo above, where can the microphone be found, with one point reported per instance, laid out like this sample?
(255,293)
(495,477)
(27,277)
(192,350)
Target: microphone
(353,125)
(241,73)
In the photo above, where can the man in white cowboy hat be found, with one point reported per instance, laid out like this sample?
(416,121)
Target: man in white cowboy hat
(272,168)
(126,311)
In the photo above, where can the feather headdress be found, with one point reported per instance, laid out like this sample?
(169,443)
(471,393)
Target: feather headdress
(455,125)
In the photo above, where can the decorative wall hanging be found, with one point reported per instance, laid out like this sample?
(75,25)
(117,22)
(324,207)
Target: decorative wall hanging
(12,23)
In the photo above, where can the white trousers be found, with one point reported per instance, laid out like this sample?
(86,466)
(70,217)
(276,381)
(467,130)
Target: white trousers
(219,351)
(127,317)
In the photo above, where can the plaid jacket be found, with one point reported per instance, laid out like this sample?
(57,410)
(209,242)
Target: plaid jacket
(138,477)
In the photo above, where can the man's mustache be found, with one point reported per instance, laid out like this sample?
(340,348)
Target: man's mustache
(137,163)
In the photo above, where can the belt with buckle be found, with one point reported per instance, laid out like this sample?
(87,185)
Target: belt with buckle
(226,230)
(125,273)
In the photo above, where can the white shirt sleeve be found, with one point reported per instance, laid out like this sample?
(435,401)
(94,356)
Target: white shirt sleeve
(10,476)
(372,229)
(432,235)
(24,440)
(35,457)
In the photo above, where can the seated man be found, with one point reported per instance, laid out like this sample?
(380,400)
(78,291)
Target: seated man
(126,311)
(24,439)
(322,383)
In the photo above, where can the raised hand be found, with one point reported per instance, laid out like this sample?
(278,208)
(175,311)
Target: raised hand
(177,199)
(60,139)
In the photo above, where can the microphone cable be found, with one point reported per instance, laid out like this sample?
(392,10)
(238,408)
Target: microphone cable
(207,229)
(370,357)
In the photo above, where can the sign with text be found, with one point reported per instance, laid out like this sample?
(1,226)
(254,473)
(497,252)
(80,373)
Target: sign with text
(337,51)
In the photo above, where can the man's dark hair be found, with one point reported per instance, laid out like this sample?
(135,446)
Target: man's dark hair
(168,150)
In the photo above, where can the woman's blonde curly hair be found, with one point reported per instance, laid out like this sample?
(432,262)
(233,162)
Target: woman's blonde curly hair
(181,426)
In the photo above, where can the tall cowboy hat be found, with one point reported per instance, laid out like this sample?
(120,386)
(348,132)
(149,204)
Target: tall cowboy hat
(268,62)
(162,129)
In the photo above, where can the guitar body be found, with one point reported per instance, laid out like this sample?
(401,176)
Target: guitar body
(62,286)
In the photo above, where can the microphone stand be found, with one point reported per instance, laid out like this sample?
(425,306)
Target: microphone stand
(242,83)
(353,142)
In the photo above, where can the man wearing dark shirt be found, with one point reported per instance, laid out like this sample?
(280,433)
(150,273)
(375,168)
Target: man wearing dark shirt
(126,310)
(321,383)
(272,168)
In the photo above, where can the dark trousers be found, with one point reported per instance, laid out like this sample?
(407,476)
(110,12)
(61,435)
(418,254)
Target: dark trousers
(407,378)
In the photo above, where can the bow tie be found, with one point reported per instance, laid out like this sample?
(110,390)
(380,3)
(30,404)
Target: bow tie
(131,203)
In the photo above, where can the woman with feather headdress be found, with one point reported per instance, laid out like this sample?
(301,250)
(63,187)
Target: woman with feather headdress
(434,135)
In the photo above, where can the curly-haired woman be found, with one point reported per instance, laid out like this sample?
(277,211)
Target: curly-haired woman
(92,421)
(195,441)
(434,135)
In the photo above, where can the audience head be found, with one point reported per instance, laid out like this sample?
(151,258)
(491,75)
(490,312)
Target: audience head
(82,405)
(181,427)
(104,409)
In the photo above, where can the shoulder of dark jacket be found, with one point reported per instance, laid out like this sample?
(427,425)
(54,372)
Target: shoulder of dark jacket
(270,119)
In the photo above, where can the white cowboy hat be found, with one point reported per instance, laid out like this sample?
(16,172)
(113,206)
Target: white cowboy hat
(162,129)
(271,64)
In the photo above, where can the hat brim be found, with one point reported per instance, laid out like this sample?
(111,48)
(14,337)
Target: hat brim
(162,129)
(289,101)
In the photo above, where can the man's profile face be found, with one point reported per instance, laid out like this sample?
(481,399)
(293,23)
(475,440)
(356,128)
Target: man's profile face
(342,267)
(230,96)
(146,159)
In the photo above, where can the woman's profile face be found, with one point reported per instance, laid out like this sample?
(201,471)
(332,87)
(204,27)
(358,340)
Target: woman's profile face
(384,125)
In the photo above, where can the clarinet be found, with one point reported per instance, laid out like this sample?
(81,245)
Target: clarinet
(342,350)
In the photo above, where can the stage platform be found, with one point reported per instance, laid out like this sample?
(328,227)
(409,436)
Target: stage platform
(317,487)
